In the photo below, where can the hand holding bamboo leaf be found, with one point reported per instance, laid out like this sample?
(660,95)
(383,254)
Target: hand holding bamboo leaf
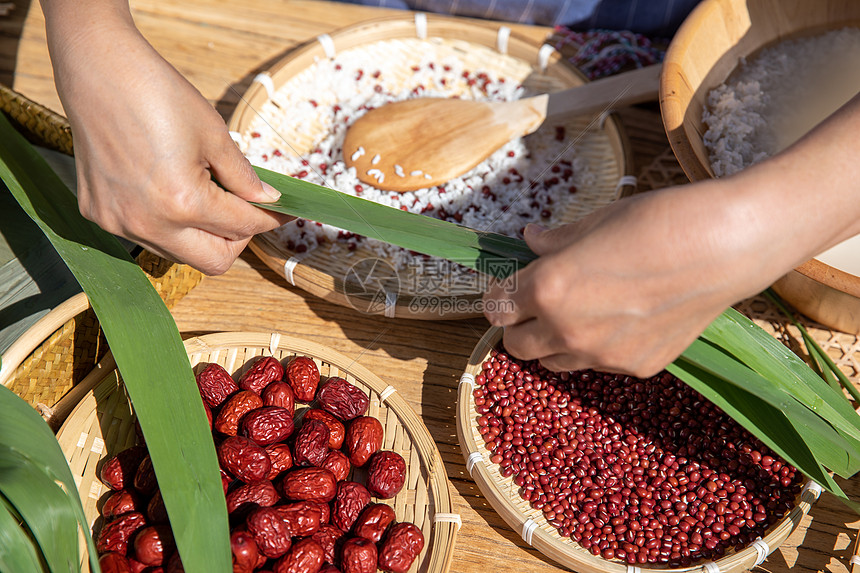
(147,142)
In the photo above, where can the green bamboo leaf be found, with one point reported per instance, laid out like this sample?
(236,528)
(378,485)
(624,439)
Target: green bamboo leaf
(46,508)
(24,434)
(17,552)
(831,448)
(784,370)
(474,249)
(152,360)
(772,426)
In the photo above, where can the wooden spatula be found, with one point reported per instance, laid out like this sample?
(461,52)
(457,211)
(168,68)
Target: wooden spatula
(417,143)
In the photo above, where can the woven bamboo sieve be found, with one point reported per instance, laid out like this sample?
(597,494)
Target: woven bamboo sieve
(502,493)
(102,424)
(61,349)
(323,272)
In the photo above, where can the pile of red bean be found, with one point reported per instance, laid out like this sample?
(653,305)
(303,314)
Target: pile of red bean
(645,471)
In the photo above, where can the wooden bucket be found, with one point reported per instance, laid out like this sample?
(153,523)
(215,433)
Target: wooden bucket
(325,272)
(702,55)
(503,495)
(101,425)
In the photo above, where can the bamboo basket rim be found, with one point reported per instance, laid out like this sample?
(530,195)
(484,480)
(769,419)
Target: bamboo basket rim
(318,278)
(226,346)
(540,535)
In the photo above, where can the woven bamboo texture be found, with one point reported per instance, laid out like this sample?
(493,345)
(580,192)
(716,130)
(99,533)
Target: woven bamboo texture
(502,493)
(702,55)
(323,271)
(103,424)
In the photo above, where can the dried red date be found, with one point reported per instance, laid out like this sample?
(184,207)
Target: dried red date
(114,563)
(350,500)
(329,538)
(244,459)
(155,510)
(281,458)
(174,564)
(386,474)
(363,439)
(248,496)
(245,552)
(358,556)
(342,399)
(215,385)
(118,472)
(304,377)
(153,545)
(267,425)
(262,373)
(306,556)
(337,463)
(329,568)
(280,394)
(227,420)
(311,445)
(317,484)
(144,478)
(335,428)
(270,530)
(401,546)
(121,502)
(374,521)
(304,518)
(325,511)
(115,535)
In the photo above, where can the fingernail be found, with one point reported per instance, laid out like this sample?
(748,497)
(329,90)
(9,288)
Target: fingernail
(272,193)
(534,229)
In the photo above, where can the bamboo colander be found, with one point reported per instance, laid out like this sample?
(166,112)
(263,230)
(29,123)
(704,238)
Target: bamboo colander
(503,495)
(324,272)
(716,36)
(61,349)
(102,424)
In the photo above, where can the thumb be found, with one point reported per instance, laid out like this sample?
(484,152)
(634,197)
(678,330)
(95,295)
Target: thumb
(544,241)
(235,173)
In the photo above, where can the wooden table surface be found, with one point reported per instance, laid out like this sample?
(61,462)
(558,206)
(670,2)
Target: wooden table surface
(220,46)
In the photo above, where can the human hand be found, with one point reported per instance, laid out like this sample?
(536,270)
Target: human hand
(147,145)
(629,287)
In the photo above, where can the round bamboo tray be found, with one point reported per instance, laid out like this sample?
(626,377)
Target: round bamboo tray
(102,424)
(324,271)
(502,493)
(702,55)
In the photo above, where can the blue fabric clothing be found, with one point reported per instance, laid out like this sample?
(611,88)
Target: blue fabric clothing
(655,18)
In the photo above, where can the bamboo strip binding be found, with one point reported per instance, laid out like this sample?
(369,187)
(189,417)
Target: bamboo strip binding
(102,424)
(502,493)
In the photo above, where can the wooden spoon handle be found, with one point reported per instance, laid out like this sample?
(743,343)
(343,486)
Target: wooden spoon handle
(627,88)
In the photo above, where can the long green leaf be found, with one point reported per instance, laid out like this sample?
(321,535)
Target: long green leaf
(766,355)
(474,249)
(773,427)
(148,350)
(830,447)
(47,509)
(30,454)
(17,552)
